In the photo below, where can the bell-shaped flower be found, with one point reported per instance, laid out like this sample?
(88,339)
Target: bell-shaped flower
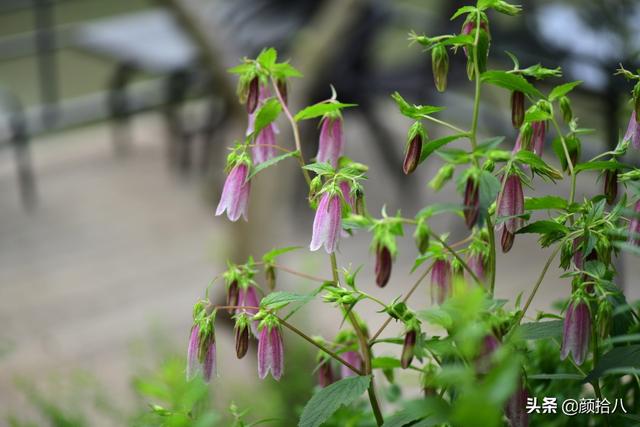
(325,373)
(235,193)
(576,331)
(633,131)
(354,359)
(539,133)
(477,262)
(270,350)
(511,206)
(327,223)
(440,281)
(331,142)
(201,353)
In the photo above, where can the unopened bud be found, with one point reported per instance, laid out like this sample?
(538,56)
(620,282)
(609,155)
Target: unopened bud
(407,348)
(360,206)
(232,296)
(506,240)
(444,174)
(440,67)
(507,8)
(412,156)
(383,266)
(471,203)
(253,95)
(611,185)
(270,277)
(517,108)
(242,339)
(565,109)
(421,236)
(325,374)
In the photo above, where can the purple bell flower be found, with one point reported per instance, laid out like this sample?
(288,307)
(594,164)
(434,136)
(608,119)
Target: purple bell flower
(235,193)
(327,223)
(440,281)
(576,331)
(633,131)
(331,143)
(201,354)
(270,352)
(352,357)
(511,205)
(538,136)
(477,264)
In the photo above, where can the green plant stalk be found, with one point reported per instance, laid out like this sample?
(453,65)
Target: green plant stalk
(568,158)
(364,348)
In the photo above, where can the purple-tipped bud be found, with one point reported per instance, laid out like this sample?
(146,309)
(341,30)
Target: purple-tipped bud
(232,296)
(270,352)
(331,143)
(354,358)
(325,373)
(511,205)
(242,339)
(478,264)
(517,108)
(248,298)
(576,332)
(193,363)
(407,348)
(611,185)
(471,203)
(327,223)
(440,67)
(633,131)
(516,410)
(282,88)
(235,193)
(383,266)
(538,137)
(412,156)
(440,281)
(488,346)
(634,225)
(253,95)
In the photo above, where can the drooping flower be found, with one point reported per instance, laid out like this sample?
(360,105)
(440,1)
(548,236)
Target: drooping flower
(264,143)
(634,225)
(270,351)
(576,331)
(201,353)
(232,295)
(345,188)
(327,223)
(633,131)
(193,362)
(538,136)
(511,205)
(440,281)
(241,334)
(235,193)
(412,156)
(253,95)
(610,189)
(408,346)
(353,358)
(325,373)
(477,263)
(247,299)
(517,108)
(471,202)
(331,142)
(516,408)
(383,265)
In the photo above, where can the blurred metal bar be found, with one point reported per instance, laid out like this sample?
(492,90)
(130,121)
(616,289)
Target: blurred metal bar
(45,40)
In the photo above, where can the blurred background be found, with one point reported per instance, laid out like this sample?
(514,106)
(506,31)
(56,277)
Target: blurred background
(114,122)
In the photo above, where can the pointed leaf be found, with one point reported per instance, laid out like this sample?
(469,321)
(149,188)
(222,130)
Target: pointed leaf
(324,403)
(262,166)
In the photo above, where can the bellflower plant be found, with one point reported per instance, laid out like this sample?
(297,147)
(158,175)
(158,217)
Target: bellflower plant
(480,360)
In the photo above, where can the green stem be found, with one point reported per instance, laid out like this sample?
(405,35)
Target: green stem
(447,124)
(299,273)
(492,256)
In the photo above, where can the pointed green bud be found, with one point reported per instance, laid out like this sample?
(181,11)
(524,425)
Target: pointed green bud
(421,236)
(444,174)
(440,66)
(565,109)
(415,138)
(507,8)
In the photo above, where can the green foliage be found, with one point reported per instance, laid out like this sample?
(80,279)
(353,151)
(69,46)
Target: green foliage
(324,403)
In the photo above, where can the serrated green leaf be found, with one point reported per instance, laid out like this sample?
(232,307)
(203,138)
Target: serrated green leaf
(546,202)
(320,168)
(274,253)
(543,227)
(431,146)
(272,161)
(540,330)
(280,299)
(462,11)
(324,403)
(385,362)
(267,58)
(562,90)
(460,39)
(620,359)
(511,82)
(536,115)
(284,70)
(242,68)
(538,165)
(321,109)
(266,114)
(600,165)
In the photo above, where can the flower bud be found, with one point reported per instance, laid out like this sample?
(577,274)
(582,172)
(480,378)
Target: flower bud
(576,331)
(478,264)
(440,67)
(539,129)
(506,240)
(444,174)
(353,358)
(383,265)
(270,349)
(421,236)
(407,348)
(471,202)
(242,338)
(611,185)
(325,373)
(440,281)
(565,109)
(232,296)
(282,88)
(270,277)
(359,203)
(253,95)
(507,8)
(517,108)
(414,150)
